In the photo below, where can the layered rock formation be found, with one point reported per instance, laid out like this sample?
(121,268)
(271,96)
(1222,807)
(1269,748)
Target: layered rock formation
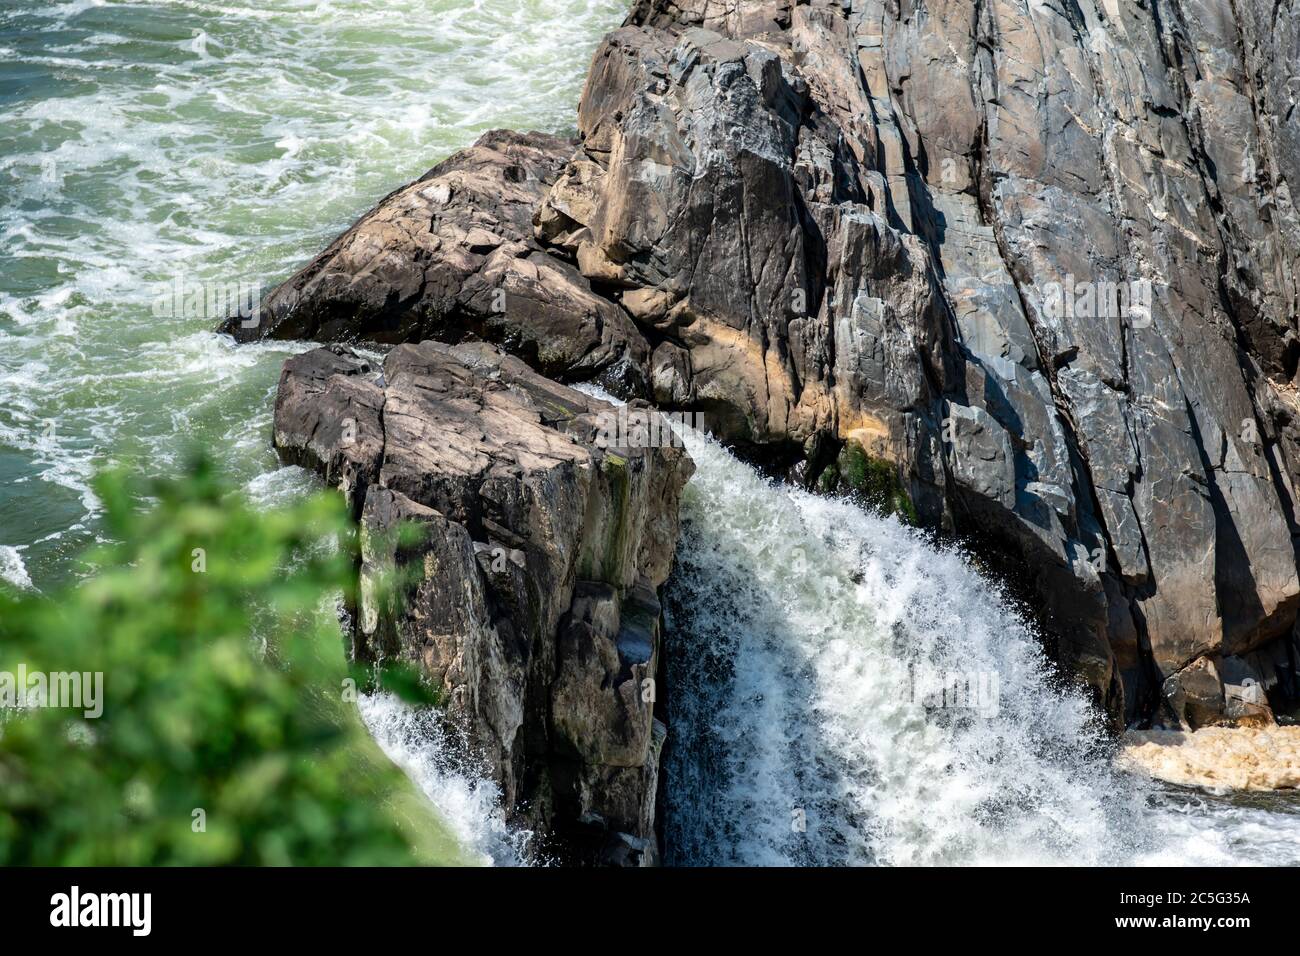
(532,601)
(1040,264)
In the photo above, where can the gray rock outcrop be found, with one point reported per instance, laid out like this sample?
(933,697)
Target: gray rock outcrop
(451,256)
(1041,263)
(534,605)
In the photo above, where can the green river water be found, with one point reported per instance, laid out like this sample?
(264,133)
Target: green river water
(142,143)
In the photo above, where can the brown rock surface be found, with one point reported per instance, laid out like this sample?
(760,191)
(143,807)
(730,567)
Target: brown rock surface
(534,607)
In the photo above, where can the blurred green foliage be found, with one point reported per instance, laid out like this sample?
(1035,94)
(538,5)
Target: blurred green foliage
(229,732)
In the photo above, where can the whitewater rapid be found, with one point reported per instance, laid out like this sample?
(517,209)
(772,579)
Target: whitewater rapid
(226,141)
(152,141)
(807,641)
(808,646)
(432,754)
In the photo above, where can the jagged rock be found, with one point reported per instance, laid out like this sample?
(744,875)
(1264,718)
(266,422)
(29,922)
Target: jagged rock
(1246,682)
(1043,167)
(1044,261)
(534,607)
(606,665)
(1195,694)
(982,461)
(452,257)
(328,417)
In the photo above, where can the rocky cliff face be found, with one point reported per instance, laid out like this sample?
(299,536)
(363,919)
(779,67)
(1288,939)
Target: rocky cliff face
(533,605)
(1033,269)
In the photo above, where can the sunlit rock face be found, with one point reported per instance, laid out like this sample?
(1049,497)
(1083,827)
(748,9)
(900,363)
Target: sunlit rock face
(1048,258)
(1039,264)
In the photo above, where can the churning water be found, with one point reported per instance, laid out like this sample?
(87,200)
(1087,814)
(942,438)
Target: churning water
(424,746)
(221,141)
(213,141)
(227,141)
(815,650)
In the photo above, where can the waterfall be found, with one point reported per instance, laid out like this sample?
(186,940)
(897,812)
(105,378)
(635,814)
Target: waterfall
(432,755)
(842,691)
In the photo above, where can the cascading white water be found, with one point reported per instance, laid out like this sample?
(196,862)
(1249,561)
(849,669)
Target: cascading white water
(421,743)
(786,666)
(806,641)
(807,646)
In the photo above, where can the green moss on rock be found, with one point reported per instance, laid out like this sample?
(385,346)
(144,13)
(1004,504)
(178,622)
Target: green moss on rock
(829,479)
(875,480)
(602,556)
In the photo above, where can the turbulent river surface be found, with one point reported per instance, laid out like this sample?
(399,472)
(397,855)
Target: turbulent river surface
(145,144)
(811,644)
(223,142)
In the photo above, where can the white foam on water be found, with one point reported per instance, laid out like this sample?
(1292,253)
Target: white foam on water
(225,141)
(13,569)
(798,626)
(273,489)
(221,142)
(463,793)
(62,11)
(238,159)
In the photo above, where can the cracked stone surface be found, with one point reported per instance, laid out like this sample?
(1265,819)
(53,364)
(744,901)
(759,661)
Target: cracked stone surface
(1044,259)
(450,257)
(534,605)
